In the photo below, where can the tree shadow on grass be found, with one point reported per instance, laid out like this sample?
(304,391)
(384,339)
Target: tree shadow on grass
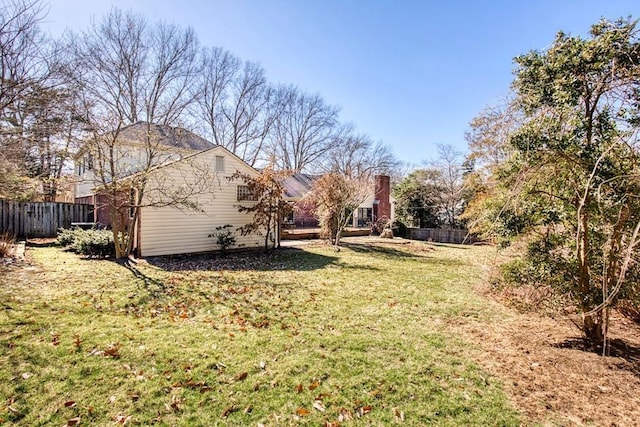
(457,246)
(382,250)
(155,287)
(394,253)
(285,259)
(627,351)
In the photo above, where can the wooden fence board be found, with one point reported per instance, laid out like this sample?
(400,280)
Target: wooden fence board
(40,219)
(441,235)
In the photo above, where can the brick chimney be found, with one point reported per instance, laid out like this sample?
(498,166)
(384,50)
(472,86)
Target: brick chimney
(382,204)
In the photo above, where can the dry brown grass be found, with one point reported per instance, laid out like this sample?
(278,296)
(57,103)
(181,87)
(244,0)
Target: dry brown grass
(6,245)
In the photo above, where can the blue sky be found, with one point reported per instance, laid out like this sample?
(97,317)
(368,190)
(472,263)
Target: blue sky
(412,73)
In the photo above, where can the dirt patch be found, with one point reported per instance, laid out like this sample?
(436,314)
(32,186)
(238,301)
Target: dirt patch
(553,377)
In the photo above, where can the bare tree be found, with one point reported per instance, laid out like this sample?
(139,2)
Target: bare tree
(132,72)
(21,68)
(335,196)
(21,56)
(358,155)
(136,72)
(50,131)
(304,130)
(450,181)
(36,101)
(490,131)
(237,103)
(219,68)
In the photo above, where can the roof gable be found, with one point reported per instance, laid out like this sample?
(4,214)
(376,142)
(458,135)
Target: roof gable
(166,135)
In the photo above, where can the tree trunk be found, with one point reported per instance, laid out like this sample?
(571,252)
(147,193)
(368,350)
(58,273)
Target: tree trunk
(592,324)
(592,327)
(278,228)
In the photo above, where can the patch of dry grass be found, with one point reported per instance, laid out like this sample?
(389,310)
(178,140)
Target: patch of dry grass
(6,245)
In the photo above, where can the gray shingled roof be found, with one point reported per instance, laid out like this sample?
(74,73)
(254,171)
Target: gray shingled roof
(298,185)
(166,135)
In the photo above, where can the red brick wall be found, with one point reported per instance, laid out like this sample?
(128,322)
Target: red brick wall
(304,215)
(383,195)
(100,203)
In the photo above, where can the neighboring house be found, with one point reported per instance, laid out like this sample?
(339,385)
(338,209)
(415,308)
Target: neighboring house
(378,204)
(167,230)
(296,187)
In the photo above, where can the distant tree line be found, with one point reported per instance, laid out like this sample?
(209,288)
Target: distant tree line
(57,96)
(434,196)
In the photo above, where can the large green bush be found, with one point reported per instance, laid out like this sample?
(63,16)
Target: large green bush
(93,243)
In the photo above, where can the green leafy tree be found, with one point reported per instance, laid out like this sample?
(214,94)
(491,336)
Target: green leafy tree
(571,182)
(417,198)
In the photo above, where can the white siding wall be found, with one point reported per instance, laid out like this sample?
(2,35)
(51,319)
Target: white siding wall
(168,230)
(130,158)
(85,184)
(368,203)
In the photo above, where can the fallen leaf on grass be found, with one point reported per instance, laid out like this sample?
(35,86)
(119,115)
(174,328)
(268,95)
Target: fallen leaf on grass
(228,411)
(319,406)
(314,385)
(363,410)
(321,396)
(174,406)
(73,421)
(345,415)
(242,376)
(399,415)
(299,388)
(123,419)
(302,412)
(70,404)
(113,350)
(331,424)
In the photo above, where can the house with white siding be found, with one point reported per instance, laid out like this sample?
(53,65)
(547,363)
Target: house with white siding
(170,228)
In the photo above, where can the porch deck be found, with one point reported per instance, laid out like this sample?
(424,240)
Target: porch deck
(314,233)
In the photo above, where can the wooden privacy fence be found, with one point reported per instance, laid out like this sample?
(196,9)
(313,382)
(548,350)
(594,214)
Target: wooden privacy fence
(442,235)
(40,219)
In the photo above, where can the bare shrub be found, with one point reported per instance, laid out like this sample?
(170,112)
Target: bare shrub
(6,245)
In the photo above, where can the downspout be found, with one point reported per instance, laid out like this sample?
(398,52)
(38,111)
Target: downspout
(138,233)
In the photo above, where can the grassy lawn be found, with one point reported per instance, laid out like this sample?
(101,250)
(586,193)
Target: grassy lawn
(313,336)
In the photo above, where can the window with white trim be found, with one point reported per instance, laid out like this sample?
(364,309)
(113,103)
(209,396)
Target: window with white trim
(245,194)
(219,163)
